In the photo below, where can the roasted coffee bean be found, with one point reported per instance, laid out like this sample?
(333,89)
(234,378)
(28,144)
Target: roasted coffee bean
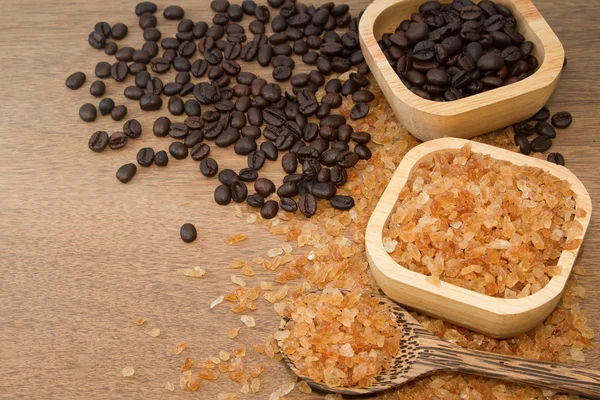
(556,158)
(200,151)
(271,152)
(188,233)
(248,175)
(239,191)
(151,34)
(222,195)
(339,176)
(119,71)
(542,115)
(288,204)
(541,144)
(132,128)
(289,163)
(209,167)
(270,209)
(133,92)
(363,152)
(282,73)
(98,141)
(178,150)
(117,140)
(545,129)
(97,40)
(162,126)
(173,12)
(359,110)
(264,187)
(102,71)
(111,48)
(342,202)
(119,31)
(562,120)
(244,146)
(145,156)
(125,54)
(106,106)
(228,137)
(523,129)
(126,172)
(255,200)
(256,159)
(308,205)
(150,102)
(87,112)
(324,190)
(77,79)
(288,189)
(161,158)
(523,143)
(145,7)
(147,20)
(103,28)
(194,137)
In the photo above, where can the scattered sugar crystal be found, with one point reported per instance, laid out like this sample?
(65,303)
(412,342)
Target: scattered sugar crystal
(238,281)
(233,239)
(258,260)
(275,252)
(195,272)
(389,244)
(227,396)
(251,218)
(248,321)
(237,263)
(155,332)
(248,271)
(303,387)
(214,360)
(281,335)
(287,248)
(169,386)
(224,355)
(245,389)
(187,364)
(233,332)
(239,352)
(128,371)
(216,302)
(237,211)
(255,385)
(179,348)
(139,321)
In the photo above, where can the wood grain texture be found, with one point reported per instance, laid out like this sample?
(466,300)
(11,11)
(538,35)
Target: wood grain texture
(462,118)
(83,255)
(497,317)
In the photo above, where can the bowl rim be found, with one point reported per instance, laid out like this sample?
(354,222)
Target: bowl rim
(548,71)
(401,275)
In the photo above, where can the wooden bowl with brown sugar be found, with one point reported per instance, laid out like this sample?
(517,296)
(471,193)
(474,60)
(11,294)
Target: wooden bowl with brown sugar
(469,116)
(496,316)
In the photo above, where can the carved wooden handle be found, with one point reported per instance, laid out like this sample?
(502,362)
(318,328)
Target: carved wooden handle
(441,355)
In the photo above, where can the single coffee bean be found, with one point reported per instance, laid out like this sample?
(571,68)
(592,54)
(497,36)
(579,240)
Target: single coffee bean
(248,175)
(523,143)
(103,28)
(542,115)
(200,151)
(119,31)
(222,195)
(289,163)
(339,176)
(255,200)
(359,110)
(132,128)
(556,158)
(87,112)
(264,187)
(288,204)
(111,48)
(178,150)
(145,7)
(145,156)
(256,159)
(244,146)
(75,80)
(271,152)
(150,102)
(541,144)
(523,129)
(106,106)
(545,129)
(194,138)
(133,92)
(324,190)
(175,105)
(118,113)
(161,126)
(562,120)
(342,202)
(119,71)
(308,205)
(97,40)
(98,141)
(288,189)
(161,158)
(126,172)
(173,12)
(239,191)
(209,167)
(117,140)
(269,209)
(188,232)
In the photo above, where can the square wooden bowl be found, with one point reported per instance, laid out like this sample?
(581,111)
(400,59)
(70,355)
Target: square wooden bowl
(493,316)
(474,115)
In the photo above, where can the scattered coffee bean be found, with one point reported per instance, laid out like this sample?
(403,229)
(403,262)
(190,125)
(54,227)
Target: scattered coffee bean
(126,172)
(87,112)
(209,167)
(188,232)
(562,120)
(161,158)
(98,141)
(119,31)
(178,150)
(541,144)
(541,115)
(75,80)
(132,128)
(556,158)
(523,143)
(269,209)
(118,112)
(145,156)
(222,195)
(342,202)
(307,205)
(545,129)
(173,12)
(106,106)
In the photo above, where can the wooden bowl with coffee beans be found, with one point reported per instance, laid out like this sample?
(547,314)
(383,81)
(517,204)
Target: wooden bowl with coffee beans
(461,69)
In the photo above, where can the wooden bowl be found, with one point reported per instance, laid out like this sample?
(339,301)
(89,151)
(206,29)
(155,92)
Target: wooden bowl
(493,316)
(474,115)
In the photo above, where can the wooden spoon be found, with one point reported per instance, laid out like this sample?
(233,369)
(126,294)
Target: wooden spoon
(422,353)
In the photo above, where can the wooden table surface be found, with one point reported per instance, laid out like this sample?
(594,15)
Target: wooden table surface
(82,255)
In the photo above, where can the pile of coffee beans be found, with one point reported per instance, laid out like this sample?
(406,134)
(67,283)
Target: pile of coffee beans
(237,109)
(445,52)
(546,132)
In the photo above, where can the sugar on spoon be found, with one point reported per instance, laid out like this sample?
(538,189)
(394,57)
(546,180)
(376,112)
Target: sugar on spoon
(422,354)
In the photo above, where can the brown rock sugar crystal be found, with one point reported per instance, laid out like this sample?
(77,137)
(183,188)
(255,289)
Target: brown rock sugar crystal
(483,224)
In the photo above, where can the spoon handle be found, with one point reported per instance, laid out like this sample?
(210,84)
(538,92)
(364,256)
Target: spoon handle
(440,355)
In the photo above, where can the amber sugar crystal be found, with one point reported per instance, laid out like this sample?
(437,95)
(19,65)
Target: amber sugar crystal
(339,339)
(483,224)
